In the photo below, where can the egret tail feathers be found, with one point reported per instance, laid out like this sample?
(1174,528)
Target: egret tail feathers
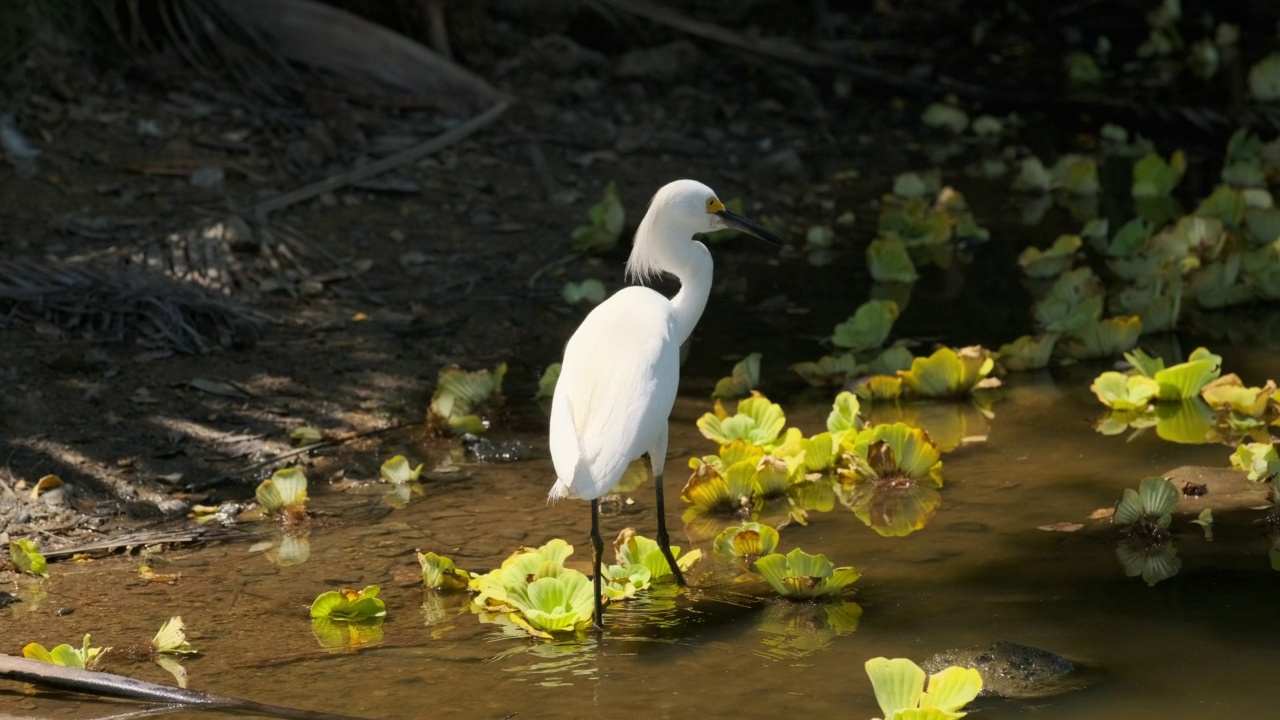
(581,472)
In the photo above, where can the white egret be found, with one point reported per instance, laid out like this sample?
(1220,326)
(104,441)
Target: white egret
(622,366)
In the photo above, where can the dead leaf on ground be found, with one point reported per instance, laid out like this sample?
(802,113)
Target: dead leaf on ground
(146,573)
(1061,527)
(217,387)
(1102,513)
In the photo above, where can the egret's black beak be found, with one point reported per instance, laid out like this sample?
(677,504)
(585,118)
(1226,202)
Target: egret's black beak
(737,222)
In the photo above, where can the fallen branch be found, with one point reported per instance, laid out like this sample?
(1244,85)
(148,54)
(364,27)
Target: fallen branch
(103,684)
(400,159)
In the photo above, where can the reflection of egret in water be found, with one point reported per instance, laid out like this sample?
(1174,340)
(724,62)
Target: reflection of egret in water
(893,506)
(285,546)
(793,630)
(949,424)
(557,663)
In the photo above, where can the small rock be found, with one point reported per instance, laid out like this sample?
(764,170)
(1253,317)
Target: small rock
(207,176)
(664,63)
(780,165)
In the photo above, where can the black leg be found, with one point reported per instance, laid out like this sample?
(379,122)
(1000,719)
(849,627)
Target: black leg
(664,541)
(597,547)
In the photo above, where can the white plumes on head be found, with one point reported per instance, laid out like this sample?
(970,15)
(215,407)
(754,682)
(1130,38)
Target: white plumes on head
(681,207)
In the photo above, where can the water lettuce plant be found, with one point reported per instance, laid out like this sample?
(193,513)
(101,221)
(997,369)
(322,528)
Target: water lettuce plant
(1027,352)
(949,373)
(348,605)
(460,396)
(757,421)
(536,592)
(439,573)
(801,575)
(284,494)
(1102,338)
(171,639)
(894,452)
(1259,460)
(1153,502)
(397,470)
(547,382)
(889,261)
(623,582)
(1154,177)
(744,378)
(749,540)
(1117,391)
(633,549)
(1146,548)
(1183,381)
(901,692)
(1051,261)
(829,370)
(27,558)
(83,657)
(868,327)
(606,219)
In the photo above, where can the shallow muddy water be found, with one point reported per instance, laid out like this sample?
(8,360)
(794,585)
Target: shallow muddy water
(1201,644)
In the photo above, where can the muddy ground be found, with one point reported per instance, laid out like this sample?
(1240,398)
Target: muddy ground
(349,303)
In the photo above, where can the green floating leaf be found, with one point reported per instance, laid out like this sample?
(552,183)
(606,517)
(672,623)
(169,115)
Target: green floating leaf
(889,261)
(801,575)
(1124,392)
(1225,203)
(898,684)
(829,370)
(397,470)
(1184,381)
(439,573)
(285,490)
(1033,176)
(305,435)
(347,605)
(844,416)
(590,290)
(1259,460)
(606,220)
(1154,177)
(640,550)
(1077,175)
(893,451)
(1205,521)
(547,383)
(27,558)
(1129,239)
(757,421)
(749,540)
(868,327)
(560,603)
(1074,300)
(949,373)
(171,639)
(1053,261)
(459,395)
(744,378)
(1027,352)
(1154,502)
(1104,338)
(84,657)
(1264,79)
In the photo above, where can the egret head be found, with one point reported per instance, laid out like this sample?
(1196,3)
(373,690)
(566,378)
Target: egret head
(678,211)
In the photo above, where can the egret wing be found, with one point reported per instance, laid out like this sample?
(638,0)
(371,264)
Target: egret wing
(616,388)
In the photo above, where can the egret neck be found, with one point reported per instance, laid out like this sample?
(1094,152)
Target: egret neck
(690,261)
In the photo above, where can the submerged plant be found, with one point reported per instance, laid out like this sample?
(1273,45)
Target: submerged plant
(27,558)
(900,690)
(284,495)
(83,657)
(744,378)
(801,575)
(460,396)
(439,573)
